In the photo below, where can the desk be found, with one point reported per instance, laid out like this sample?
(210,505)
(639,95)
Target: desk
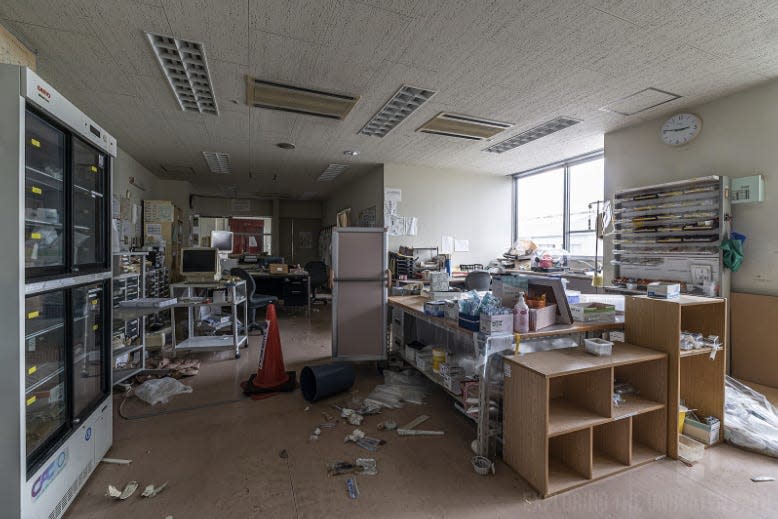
(408,311)
(293,288)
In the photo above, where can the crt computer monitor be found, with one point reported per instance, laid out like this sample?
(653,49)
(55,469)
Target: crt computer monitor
(222,240)
(200,264)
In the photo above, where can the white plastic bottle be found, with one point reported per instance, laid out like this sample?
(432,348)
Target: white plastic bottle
(521,315)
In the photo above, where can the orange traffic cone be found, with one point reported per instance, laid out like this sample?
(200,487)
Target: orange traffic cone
(271,375)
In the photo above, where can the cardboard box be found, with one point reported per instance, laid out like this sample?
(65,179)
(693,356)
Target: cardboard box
(540,318)
(278,268)
(664,290)
(586,312)
(507,288)
(701,431)
(491,324)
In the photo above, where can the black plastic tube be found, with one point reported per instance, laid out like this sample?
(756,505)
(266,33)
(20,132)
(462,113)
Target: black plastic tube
(317,382)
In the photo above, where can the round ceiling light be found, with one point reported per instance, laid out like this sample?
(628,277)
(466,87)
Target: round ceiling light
(351,153)
(286,145)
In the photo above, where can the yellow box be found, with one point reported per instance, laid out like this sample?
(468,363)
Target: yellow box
(278,268)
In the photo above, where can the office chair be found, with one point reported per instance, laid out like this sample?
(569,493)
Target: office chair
(319,273)
(478,280)
(255,301)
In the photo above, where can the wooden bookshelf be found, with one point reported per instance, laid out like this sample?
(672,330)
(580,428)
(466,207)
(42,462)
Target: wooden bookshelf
(692,375)
(561,429)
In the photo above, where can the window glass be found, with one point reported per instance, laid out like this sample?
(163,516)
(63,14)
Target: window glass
(541,207)
(587,186)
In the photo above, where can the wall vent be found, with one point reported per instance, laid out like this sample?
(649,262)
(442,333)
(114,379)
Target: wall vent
(402,104)
(177,171)
(463,126)
(218,163)
(299,100)
(186,69)
(547,128)
(332,171)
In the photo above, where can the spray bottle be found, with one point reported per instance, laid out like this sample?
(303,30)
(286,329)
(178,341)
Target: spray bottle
(521,315)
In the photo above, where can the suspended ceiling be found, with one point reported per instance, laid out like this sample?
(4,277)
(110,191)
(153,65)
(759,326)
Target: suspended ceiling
(524,62)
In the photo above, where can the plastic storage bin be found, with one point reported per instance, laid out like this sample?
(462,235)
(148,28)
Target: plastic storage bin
(599,347)
(690,450)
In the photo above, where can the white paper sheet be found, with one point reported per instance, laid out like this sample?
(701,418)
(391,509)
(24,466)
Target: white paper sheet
(461,245)
(411,225)
(446,244)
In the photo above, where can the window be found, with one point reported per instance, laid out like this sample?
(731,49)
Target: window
(556,205)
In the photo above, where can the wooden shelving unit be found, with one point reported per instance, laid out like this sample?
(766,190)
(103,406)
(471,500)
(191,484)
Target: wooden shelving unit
(561,429)
(692,375)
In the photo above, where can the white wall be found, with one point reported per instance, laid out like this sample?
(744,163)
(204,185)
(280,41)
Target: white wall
(457,203)
(363,192)
(739,138)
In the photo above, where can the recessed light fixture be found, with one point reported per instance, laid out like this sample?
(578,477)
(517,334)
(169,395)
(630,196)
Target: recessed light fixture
(186,70)
(218,163)
(351,153)
(332,171)
(299,100)
(286,145)
(547,128)
(402,104)
(463,126)
(640,101)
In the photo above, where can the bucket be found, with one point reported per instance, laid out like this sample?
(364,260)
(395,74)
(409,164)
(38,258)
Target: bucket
(438,358)
(317,382)
(681,417)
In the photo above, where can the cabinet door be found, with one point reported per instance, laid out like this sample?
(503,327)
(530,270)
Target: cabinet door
(90,182)
(44,200)
(45,396)
(89,367)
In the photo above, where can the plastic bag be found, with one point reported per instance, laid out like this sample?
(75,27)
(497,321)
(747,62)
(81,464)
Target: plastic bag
(405,386)
(155,391)
(750,420)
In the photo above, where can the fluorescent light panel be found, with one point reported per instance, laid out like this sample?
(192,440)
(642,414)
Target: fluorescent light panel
(402,104)
(218,163)
(463,126)
(300,100)
(640,101)
(547,128)
(186,69)
(332,171)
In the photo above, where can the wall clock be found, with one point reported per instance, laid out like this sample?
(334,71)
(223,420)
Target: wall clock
(680,129)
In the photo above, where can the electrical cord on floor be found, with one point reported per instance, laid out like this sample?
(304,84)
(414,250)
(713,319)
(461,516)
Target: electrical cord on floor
(172,411)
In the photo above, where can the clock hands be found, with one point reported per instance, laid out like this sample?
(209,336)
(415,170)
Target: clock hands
(676,129)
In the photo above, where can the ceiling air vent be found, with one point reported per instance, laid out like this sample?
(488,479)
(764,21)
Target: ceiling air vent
(218,163)
(332,171)
(299,100)
(547,128)
(177,171)
(402,104)
(186,69)
(463,126)
(640,101)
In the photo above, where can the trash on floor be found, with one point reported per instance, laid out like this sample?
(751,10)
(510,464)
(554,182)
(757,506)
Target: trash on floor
(482,465)
(116,461)
(156,391)
(762,479)
(343,467)
(369,466)
(152,491)
(317,382)
(307,408)
(315,435)
(419,432)
(354,436)
(351,416)
(327,416)
(388,425)
(328,425)
(370,444)
(415,422)
(398,388)
(129,489)
(750,420)
(283,454)
(351,487)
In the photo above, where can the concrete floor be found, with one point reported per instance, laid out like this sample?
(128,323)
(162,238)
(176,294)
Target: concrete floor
(222,461)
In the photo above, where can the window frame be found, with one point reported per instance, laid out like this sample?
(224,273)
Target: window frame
(565,165)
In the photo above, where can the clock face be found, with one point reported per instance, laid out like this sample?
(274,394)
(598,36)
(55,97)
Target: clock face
(680,129)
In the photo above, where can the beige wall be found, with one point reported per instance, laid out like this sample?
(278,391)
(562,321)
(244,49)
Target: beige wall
(363,192)
(739,138)
(457,203)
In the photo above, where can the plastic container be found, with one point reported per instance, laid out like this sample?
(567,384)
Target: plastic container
(317,382)
(599,347)
(573,296)
(521,315)
(469,322)
(438,358)
(609,299)
(690,450)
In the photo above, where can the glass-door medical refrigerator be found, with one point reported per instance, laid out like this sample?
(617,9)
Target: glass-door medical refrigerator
(55,310)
